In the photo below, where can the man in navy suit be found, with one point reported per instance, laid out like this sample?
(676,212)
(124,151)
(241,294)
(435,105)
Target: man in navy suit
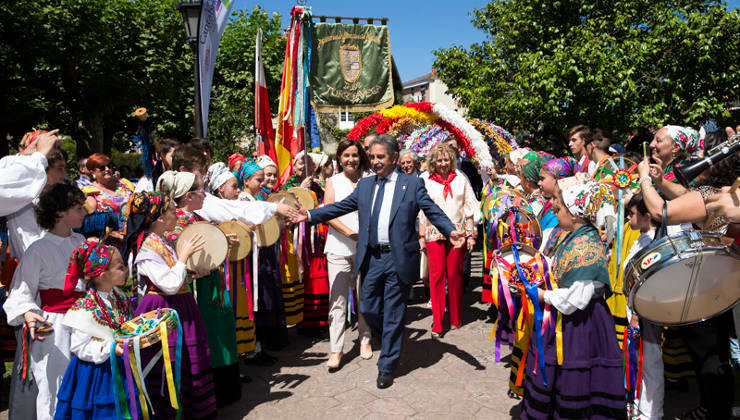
(387,245)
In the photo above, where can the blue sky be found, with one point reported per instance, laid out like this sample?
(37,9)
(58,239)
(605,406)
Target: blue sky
(416,27)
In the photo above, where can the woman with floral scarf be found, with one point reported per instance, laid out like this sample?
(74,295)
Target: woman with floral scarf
(576,371)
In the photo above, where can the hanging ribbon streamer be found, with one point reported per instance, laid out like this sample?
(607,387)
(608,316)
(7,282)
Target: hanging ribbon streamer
(254,278)
(632,362)
(25,367)
(533,293)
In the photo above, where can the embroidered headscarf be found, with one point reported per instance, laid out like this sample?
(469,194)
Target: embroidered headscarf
(217,175)
(29,138)
(561,167)
(235,161)
(517,154)
(249,167)
(175,184)
(592,201)
(264,161)
(531,170)
(686,138)
(89,260)
(143,209)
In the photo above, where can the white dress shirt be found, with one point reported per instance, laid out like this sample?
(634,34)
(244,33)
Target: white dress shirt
(384,218)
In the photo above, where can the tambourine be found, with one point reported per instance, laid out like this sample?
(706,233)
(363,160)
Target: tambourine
(243,233)
(528,264)
(304,196)
(517,224)
(268,233)
(213,253)
(147,326)
(277,197)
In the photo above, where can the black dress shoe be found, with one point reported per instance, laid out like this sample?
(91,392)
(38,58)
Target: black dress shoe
(384,380)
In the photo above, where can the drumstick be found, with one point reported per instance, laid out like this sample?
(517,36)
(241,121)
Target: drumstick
(644,149)
(735,185)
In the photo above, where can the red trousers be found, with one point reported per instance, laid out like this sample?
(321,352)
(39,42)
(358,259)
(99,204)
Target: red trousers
(445,262)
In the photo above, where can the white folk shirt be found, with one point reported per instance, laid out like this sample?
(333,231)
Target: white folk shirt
(91,340)
(22,178)
(44,266)
(458,207)
(384,218)
(217,210)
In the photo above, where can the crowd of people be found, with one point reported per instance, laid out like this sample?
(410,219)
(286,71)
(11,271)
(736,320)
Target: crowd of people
(88,255)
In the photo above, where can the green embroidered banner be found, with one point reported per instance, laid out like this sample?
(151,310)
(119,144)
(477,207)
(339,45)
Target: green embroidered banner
(350,67)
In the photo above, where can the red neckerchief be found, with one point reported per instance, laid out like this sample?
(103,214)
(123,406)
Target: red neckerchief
(447,190)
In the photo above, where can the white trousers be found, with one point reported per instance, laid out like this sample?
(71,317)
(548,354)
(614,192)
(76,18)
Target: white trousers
(49,361)
(652,388)
(341,278)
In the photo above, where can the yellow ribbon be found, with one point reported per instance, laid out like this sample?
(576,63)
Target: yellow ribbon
(559,337)
(135,371)
(168,366)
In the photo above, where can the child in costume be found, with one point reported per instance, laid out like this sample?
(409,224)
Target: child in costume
(150,217)
(39,299)
(87,390)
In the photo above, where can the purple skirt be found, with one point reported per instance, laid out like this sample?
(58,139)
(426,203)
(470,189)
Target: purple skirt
(197,395)
(590,382)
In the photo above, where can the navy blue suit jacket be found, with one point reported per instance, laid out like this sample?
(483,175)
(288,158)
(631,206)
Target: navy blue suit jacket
(409,197)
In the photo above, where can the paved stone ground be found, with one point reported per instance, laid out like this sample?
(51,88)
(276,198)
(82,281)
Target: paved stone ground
(455,378)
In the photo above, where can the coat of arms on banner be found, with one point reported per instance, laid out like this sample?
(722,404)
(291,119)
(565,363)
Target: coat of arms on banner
(351,61)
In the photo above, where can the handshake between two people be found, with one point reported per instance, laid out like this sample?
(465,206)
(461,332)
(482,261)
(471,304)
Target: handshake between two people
(457,237)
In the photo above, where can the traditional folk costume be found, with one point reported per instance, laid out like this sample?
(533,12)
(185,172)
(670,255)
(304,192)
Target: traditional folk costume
(109,211)
(218,315)
(40,278)
(165,277)
(577,371)
(22,178)
(87,390)
(238,274)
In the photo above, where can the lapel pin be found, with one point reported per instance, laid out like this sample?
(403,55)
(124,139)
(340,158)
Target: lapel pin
(403,187)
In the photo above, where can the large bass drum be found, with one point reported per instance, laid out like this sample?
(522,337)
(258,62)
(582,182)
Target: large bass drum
(683,278)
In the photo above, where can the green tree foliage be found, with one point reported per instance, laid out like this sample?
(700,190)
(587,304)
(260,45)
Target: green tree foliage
(84,65)
(620,65)
(231,115)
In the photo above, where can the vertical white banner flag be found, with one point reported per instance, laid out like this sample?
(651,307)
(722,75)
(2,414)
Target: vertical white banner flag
(213,17)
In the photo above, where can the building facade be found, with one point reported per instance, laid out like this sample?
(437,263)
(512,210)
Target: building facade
(430,88)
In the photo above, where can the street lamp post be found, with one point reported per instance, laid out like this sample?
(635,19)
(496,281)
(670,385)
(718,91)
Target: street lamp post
(190,11)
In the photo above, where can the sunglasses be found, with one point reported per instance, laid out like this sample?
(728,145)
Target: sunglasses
(200,191)
(105,167)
